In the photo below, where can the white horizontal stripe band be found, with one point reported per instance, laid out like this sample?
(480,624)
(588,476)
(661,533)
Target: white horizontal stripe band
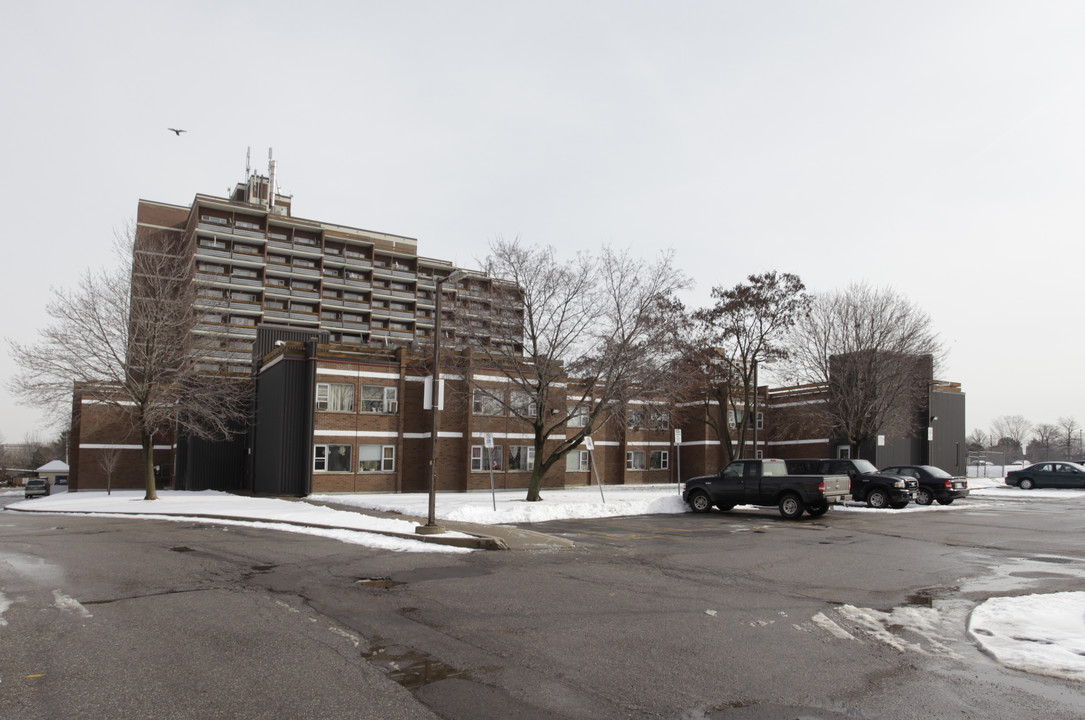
(358,373)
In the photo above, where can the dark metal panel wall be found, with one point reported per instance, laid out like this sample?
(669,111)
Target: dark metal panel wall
(950,449)
(211,465)
(281,445)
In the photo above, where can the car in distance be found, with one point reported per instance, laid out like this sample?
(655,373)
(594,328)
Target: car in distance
(36,487)
(1048,475)
(935,484)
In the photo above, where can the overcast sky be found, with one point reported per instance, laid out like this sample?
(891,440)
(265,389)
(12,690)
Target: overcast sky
(935,147)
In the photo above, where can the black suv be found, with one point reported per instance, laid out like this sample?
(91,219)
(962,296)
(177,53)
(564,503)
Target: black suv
(876,489)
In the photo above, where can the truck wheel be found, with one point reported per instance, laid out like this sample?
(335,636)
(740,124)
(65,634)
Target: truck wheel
(791,506)
(700,502)
(923,496)
(819,508)
(877,499)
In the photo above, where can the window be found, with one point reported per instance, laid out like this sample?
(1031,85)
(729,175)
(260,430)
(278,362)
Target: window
(380,399)
(576,461)
(521,457)
(660,420)
(634,460)
(634,419)
(760,420)
(578,417)
(243,273)
(660,460)
(483,458)
(247,225)
(213,219)
(483,403)
(335,397)
(376,458)
(523,404)
(331,458)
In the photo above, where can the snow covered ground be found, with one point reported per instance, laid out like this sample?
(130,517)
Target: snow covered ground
(230,509)
(1035,633)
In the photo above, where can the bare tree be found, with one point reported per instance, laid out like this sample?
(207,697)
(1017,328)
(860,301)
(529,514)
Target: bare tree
(1010,432)
(1068,426)
(874,352)
(590,340)
(1044,436)
(728,341)
(107,461)
(977,440)
(127,332)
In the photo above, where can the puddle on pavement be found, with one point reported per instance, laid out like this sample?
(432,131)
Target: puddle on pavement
(382,583)
(775,712)
(927,597)
(410,668)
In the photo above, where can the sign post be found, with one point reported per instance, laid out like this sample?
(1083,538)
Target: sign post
(590,444)
(678,455)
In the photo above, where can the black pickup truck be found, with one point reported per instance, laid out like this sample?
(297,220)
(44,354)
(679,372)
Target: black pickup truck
(765,483)
(868,484)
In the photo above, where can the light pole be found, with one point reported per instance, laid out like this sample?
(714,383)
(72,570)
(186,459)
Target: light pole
(431,527)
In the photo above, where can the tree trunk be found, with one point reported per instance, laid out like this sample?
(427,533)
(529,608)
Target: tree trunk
(535,485)
(147,441)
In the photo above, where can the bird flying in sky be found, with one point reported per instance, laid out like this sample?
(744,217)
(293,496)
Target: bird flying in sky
(175,130)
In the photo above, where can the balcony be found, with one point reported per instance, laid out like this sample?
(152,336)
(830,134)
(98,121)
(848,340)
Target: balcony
(207,251)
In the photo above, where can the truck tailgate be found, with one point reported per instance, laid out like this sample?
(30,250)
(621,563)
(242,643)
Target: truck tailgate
(837,486)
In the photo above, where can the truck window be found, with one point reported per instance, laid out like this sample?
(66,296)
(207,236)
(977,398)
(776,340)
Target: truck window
(734,470)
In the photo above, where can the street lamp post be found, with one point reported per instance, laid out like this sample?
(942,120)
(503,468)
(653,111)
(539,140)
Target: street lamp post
(431,527)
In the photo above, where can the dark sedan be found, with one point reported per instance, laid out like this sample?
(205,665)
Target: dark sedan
(935,484)
(1048,475)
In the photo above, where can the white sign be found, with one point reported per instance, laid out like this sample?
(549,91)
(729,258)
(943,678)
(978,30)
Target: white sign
(881,441)
(427,396)
(488,438)
(588,442)
(677,436)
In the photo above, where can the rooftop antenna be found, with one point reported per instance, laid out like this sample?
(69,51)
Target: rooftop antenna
(270,181)
(248,162)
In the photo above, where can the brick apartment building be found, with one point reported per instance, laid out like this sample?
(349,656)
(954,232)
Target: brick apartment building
(327,322)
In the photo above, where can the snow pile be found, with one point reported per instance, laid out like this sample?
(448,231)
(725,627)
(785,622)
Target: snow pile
(234,509)
(509,506)
(1042,634)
